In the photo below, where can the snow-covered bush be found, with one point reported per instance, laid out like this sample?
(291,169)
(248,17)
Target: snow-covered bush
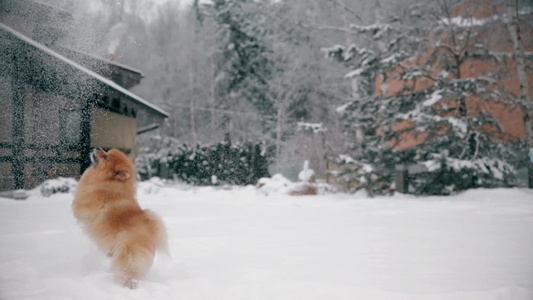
(278,184)
(446,175)
(217,164)
(58,185)
(354,175)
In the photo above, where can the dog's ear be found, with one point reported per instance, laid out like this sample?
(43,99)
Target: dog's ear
(121,175)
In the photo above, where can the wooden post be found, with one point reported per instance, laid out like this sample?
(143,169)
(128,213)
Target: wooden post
(19,100)
(402,179)
(85,136)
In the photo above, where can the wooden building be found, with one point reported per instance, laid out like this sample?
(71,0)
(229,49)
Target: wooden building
(59,103)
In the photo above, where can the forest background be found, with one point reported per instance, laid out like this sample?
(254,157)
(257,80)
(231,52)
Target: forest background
(281,73)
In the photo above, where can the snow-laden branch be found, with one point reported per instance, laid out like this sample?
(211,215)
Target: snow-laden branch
(468,22)
(315,127)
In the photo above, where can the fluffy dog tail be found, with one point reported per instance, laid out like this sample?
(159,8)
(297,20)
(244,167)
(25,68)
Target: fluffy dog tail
(134,253)
(159,232)
(131,261)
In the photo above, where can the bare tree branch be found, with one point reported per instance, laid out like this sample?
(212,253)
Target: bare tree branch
(347,8)
(324,28)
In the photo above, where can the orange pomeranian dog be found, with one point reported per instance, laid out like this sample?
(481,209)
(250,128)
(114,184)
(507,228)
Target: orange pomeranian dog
(106,207)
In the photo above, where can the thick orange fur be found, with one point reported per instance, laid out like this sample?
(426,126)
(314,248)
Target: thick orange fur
(106,207)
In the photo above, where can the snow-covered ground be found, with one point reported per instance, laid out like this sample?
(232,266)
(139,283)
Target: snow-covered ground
(242,244)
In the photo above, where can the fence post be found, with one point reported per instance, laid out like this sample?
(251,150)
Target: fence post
(402,179)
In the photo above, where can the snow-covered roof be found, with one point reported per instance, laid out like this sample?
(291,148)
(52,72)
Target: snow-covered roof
(51,6)
(105,81)
(103,60)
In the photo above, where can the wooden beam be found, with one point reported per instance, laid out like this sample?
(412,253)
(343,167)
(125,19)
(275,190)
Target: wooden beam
(42,147)
(19,99)
(85,136)
(117,105)
(148,128)
(34,159)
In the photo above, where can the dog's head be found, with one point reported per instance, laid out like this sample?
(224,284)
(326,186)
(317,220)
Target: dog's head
(112,165)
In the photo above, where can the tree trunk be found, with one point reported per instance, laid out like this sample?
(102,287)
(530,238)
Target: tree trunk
(192,86)
(278,130)
(525,92)
(193,121)
(212,96)
(349,40)
(378,14)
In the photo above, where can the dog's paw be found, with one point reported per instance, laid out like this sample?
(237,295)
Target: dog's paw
(131,283)
(127,280)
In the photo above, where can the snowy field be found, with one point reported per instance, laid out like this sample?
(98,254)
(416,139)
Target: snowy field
(240,244)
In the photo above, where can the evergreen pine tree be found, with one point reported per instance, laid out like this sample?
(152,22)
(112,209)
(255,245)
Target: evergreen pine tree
(243,66)
(439,118)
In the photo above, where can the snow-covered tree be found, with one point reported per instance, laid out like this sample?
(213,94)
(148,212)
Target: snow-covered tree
(426,109)
(370,160)
(242,65)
